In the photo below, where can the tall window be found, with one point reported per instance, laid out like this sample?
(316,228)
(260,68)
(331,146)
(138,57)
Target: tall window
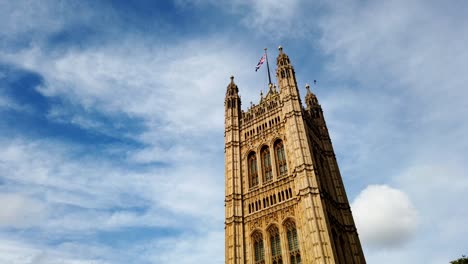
(258,248)
(253,175)
(280,158)
(266,164)
(293,245)
(275,245)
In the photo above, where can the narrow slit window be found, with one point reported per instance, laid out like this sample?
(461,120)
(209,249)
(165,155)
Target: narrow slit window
(266,164)
(253,174)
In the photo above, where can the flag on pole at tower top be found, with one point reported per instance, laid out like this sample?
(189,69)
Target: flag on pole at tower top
(259,64)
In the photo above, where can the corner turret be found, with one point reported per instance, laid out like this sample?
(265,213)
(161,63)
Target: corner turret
(232,100)
(310,98)
(286,76)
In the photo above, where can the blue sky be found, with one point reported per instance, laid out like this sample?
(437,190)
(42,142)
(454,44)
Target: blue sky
(111,122)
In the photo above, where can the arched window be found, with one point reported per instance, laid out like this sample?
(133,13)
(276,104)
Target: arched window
(259,253)
(253,175)
(276,257)
(280,158)
(266,164)
(293,245)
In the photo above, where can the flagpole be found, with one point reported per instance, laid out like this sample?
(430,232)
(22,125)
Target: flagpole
(268,67)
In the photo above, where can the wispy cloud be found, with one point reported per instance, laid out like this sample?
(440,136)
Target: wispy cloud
(392,89)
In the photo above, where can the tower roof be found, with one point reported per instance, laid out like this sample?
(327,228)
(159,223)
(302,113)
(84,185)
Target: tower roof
(232,88)
(310,98)
(282,58)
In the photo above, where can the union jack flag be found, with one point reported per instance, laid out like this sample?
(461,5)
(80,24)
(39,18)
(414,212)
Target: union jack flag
(259,64)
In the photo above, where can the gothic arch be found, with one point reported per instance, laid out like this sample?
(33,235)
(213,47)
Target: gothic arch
(258,247)
(261,146)
(247,153)
(255,231)
(294,251)
(273,141)
(275,243)
(288,219)
(270,225)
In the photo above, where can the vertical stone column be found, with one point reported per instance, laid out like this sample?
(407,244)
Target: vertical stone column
(312,224)
(234,229)
(273,161)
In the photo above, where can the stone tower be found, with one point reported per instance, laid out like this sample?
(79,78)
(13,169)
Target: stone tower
(285,200)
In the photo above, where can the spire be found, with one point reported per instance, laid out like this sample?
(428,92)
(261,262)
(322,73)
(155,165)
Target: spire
(283,59)
(310,98)
(232,96)
(308,88)
(286,76)
(232,89)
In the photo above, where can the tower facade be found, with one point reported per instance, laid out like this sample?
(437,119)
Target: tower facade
(285,201)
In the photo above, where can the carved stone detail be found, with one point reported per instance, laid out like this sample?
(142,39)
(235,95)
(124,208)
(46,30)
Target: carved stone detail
(287,212)
(256,224)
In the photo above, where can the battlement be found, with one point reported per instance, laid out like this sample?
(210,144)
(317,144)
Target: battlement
(266,106)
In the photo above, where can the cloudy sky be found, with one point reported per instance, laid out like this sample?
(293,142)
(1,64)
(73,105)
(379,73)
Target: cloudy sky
(111,122)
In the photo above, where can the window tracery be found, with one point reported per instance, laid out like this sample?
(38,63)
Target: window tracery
(293,245)
(275,245)
(253,174)
(259,253)
(266,164)
(280,158)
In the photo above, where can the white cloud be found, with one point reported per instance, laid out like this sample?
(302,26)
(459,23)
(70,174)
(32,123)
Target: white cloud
(32,22)
(8,104)
(393,45)
(20,211)
(189,249)
(384,216)
(274,19)
(26,16)
(18,252)
(438,189)
(134,79)
(95,187)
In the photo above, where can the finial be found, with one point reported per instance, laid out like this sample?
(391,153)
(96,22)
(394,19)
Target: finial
(270,86)
(232,78)
(280,49)
(307,87)
(265,49)
(261,94)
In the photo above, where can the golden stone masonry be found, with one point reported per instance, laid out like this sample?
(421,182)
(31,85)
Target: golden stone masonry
(285,199)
